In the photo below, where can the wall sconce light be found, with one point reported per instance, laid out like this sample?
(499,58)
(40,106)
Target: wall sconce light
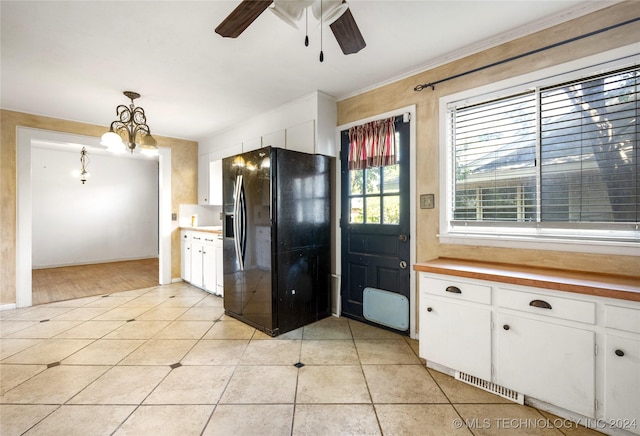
(131,126)
(84,161)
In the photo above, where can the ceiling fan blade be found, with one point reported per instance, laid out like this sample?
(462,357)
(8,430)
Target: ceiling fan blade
(348,34)
(241,17)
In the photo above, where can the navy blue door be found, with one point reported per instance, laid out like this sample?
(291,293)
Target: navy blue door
(375,224)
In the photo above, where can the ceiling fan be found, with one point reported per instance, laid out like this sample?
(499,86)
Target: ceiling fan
(334,12)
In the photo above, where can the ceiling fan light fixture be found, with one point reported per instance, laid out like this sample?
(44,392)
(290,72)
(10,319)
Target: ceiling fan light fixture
(328,11)
(290,11)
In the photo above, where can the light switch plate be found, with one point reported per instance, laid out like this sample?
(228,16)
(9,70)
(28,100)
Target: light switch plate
(427,201)
(174,217)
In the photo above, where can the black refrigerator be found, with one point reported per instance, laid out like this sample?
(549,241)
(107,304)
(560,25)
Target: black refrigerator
(277,243)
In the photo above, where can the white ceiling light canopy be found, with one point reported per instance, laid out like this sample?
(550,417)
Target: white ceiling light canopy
(326,11)
(131,126)
(290,11)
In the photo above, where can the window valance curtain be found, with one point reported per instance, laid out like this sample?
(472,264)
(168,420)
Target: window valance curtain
(372,144)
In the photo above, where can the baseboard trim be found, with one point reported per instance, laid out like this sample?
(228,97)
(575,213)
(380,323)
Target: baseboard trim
(7,306)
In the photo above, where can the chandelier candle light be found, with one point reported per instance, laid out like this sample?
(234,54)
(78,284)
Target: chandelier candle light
(84,161)
(131,127)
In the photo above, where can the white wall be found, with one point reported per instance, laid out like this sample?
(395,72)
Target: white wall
(113,216)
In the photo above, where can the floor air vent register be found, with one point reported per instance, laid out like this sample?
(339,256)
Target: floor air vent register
(488,386)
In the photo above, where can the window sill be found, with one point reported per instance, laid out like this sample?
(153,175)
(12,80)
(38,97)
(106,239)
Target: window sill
(622,248)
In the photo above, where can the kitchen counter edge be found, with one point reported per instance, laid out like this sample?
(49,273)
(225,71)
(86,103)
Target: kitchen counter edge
(602,285)
(217,231)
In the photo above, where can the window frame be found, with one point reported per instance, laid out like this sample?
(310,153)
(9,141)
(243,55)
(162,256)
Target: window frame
(585,237)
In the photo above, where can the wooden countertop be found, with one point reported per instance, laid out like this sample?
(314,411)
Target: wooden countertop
(602,285)
(208,229)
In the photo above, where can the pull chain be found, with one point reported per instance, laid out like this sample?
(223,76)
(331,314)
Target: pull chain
(306,27)
(321,52)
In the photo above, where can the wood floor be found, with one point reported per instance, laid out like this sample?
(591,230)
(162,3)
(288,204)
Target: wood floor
(65,283)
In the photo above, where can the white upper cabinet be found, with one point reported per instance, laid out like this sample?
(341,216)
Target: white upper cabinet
(215,182)
(307,124)
(251,144)
(302,137)
(275,139)
(203,179)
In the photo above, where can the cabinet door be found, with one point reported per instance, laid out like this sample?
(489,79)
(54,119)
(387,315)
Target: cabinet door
(457,336)
(203,179)
(252,144)
(302,137)
(185,261)
(219,268)
(274,139)
(622,382)
(209,268)
(215,183)
(196,264)
(550,362)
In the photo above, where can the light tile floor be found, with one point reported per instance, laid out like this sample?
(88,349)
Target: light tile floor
(167,361)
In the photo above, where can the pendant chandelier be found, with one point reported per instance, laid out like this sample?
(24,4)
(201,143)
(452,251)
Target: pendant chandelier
(130,130)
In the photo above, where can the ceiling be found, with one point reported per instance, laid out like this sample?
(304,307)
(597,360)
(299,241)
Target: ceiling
(73,59)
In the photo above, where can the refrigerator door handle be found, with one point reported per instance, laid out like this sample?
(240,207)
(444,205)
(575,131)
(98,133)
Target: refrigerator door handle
(237,218)
(243,224)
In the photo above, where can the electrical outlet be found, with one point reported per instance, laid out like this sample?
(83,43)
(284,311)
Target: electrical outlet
(427,201)
(174,217)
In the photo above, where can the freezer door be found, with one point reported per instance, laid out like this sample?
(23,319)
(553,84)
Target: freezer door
(247,238)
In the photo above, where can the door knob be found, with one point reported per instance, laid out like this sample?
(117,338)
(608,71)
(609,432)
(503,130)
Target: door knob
(403,264)
(402,238)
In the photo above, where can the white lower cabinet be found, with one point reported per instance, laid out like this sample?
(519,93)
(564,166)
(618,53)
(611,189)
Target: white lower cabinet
(185,258)
(547,361)
(199,264)
(622,381)
(209,267)
(579,354)
(219,266)
(622,367)
(456,332)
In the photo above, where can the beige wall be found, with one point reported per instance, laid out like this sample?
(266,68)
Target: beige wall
(184,164)
(400,94)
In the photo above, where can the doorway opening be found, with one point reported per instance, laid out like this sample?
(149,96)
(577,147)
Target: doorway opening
(26,138)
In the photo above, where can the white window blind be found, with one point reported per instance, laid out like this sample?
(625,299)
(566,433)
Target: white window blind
(563,156)
(589,150)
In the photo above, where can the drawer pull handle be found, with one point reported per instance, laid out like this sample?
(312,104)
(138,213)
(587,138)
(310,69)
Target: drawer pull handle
(429,309)
(540,303)
(453,290)
(619,353)
(506,327)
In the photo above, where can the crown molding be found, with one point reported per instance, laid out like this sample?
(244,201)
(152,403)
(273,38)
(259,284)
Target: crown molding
(488,43)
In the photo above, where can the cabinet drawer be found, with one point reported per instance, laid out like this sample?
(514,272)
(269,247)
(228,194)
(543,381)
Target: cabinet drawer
(456,289)
(622,318)
(539,304)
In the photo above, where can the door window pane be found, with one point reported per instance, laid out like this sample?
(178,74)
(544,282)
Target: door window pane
(391,209)
(356,213)
(372,177)
(391,178)
(355,177)
(373,210)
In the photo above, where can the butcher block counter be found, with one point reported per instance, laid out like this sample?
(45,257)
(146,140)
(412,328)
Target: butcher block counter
(601,285)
